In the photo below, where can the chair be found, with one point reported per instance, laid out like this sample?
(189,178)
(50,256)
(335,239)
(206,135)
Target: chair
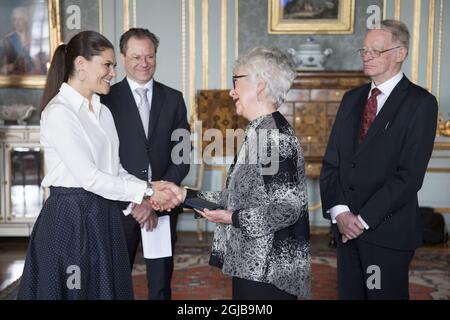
(194,181)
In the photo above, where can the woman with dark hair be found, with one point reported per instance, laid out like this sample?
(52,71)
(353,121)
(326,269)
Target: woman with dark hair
(77,249)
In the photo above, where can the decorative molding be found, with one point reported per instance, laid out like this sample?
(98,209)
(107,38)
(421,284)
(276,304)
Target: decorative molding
(442,146)
(205,43)
(183,46)
(315,207)
(193,112)
(55,24)
(431,26)
(342,24)
(416,41)
(126,15)
(133,6)
(236,28)
(15,81)
(439,170)
(223,45)
(215,167)
(100,16)
(438,81)
(397,10)
(442,130)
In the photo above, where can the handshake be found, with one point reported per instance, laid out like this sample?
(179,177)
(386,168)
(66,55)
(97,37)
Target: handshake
(166,196)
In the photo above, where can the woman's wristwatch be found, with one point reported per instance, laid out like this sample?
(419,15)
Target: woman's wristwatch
(148,191)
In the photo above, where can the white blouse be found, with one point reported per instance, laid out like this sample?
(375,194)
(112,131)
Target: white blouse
(81,148)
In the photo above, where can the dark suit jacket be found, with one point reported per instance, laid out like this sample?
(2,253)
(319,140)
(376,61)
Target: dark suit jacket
(380,178)
(168,112)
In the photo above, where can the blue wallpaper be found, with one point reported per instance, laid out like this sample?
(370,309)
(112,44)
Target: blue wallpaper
(253,22)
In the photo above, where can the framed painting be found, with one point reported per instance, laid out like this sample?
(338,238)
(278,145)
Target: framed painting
(29,34)
(311,16)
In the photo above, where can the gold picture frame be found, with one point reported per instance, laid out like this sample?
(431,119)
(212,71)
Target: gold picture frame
(311,17)
(34,79)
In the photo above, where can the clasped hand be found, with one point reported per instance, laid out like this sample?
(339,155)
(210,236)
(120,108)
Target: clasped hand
(349,226)
(145,215)
(167,196)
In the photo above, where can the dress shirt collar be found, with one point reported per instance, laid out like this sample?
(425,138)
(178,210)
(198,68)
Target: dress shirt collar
(134,85)
(389,85)
(77,101)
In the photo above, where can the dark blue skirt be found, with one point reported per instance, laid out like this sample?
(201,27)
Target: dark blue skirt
(77,250)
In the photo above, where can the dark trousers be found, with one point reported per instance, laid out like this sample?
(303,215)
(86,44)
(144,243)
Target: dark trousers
(360,263)
(253,290)
(159,271)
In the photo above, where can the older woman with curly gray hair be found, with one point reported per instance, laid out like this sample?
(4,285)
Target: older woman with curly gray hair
(262,235)
(262,238)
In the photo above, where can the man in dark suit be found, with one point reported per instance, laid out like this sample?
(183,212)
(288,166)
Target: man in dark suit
(146,113)
(374,166)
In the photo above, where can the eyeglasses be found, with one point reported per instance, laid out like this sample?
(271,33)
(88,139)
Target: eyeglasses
(237,77)
(374,53)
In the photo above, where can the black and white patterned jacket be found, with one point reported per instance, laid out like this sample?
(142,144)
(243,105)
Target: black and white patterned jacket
(266,191)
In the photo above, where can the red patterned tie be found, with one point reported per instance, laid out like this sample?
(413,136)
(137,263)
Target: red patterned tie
(370,112)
